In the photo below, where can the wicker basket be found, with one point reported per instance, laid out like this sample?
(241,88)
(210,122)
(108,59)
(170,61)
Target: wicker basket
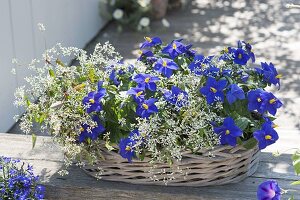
(222,165)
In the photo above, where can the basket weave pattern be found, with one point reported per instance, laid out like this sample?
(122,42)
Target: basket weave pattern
(227,165)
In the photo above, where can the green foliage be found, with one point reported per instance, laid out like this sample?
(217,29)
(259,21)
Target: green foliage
(296,161)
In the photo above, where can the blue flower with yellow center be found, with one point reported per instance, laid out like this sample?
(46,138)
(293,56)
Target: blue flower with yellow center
(272,103)
(213,90)
(146,81)
(266,136)
(269,73)
(240,56)
(127,148)
(228,132)
(146,108)
(138,94)
(268,190)
(144,54)
(92,100)
(256,100)
(88,132)
(150,42)
(234,93)
(247,46)
(165,66)
(177,97)
(174,49)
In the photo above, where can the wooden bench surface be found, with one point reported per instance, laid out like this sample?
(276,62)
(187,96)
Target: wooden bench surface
(47,160)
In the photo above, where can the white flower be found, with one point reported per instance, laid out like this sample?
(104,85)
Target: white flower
(144,3)
(165,23)
(144,21)
(41,27)
(118,14)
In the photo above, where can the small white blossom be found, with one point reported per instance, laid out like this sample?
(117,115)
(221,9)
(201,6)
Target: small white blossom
(41,27)
(165,23)
(144,22)
(118,14)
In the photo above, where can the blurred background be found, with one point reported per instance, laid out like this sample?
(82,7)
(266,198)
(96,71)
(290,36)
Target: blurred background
(270,26)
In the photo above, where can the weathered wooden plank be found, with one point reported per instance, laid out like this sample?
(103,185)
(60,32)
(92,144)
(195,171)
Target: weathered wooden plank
(47,157)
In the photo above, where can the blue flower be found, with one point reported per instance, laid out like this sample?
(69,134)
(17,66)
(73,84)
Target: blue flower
(198,63)
(177,97)
(269,73)
(88,132)
(228,132)
(256,100)
(213,90)
(165,66)
(138,94)
(145,54)
(268,190)
(240,56)
(92,100)
(190,52)
(248,49)
(113,77)
(235,93)
(150,42)
(271,103)
(174,49)
(266,136)
(127,148)
(262,101)
(146,81)
(146,108)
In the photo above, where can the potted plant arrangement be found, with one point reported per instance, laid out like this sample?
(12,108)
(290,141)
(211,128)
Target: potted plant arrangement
(173,116)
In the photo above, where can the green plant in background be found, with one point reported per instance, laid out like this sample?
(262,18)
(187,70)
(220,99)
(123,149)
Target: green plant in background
(133,13)
(137,14)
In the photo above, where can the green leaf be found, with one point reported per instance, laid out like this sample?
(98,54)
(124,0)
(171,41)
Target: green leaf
(33,139)
(250,144)
(239,141)
(58,62)
(91,75)
(296,161)
(242,123)
(51,73)
(296,183)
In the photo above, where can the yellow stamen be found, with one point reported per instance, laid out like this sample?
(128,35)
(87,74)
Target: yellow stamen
(148,39)
(145,106)
(227,132)
(139,93)
(226,49)
(164,63)
(258,99)
(92,101)
(174,46)
(81,129)
(272,101)
(268,137)
(140,52)
(240,56)
(128,148)
(147,80)
(274,126)
(213,89)
(278,76)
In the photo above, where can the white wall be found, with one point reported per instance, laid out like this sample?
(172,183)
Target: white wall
(71,22)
